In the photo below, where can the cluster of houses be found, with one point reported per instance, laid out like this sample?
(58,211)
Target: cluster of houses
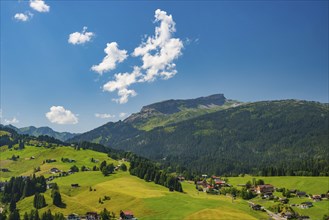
(124,215)
(215,184)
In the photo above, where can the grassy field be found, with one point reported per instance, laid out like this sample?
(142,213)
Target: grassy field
(25,165)
(312,185)
(146,199)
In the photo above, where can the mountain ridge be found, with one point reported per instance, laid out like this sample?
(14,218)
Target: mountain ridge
(44,130)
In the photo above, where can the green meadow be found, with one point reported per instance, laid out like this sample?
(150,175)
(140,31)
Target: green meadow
(146,199)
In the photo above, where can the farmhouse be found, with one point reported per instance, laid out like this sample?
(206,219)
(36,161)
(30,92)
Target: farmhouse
(306,205)
(265,189)
(92,216)
(54,170)
(73,216)
(256,207)
(4,169)
(127,215)
(316,198)
(283,200)
(301,194)
(75,185)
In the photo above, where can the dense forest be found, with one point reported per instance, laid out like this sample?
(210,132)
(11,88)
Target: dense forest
(265,138)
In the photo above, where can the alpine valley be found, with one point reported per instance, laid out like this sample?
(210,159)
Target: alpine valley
(204,158)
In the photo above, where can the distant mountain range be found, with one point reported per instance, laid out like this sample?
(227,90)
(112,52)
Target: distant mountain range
(34,131)
(216,135)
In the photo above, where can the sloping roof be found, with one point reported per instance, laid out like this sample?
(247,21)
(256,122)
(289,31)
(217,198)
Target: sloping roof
(128,212)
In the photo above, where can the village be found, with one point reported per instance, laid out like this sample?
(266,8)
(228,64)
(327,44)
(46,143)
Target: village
(258,191)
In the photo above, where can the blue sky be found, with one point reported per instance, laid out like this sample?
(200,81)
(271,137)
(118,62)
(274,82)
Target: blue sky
(248,50)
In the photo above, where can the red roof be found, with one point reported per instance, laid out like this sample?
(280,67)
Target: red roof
(128,213)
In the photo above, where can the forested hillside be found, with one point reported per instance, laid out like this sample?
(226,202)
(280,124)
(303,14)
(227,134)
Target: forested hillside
(270,138)
(287,137)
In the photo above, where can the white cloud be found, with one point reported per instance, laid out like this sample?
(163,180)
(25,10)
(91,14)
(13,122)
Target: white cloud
(113,56)
(81,38)
(39,5)
(157,53)
(23,16)
(121,82)
(122,114)
(98,115)
(59,115)
(14,120)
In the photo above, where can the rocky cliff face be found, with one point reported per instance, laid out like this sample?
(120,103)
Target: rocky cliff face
(173,106)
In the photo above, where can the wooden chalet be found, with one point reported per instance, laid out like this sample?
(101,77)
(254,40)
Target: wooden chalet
(92,216)
(127,215)
(265,189)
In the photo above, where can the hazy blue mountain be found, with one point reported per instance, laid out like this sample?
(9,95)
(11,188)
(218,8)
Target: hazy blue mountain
(34,131)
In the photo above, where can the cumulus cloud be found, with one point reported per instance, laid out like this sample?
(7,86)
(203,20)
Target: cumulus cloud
(14,120)
(59,115)
(157,52)
(39,5)
(113,56)
(122,114)
(23,16)
(98,115)
(81,38)
(121,82)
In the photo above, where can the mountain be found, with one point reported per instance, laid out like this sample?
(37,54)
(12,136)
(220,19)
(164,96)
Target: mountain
(226,137)
(155,115)
(286,134)
(33,131)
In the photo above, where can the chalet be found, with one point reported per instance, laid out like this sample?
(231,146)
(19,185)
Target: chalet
(50,160)
(4,170)
(73,216)
(75,185)
(181,178)
(305,205)
(284,200)
(215,178)
(300,194)
(316,198)
(127,215)
(202,183)
(54,170)
(293,191)
(117,167)
(256,207)
(265,189)
(32,157)
(288,215)
(220,183)
(92,216)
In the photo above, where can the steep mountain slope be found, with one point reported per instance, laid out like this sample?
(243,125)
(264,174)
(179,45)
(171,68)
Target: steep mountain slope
(155,115)
(216,135)
(251,137)
(33,131)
